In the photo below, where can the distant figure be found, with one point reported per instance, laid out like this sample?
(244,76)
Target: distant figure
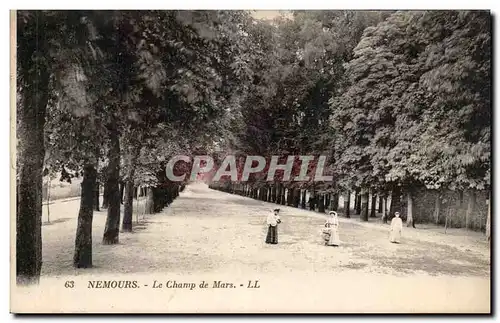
(396,227)
(331,230)
(273,219)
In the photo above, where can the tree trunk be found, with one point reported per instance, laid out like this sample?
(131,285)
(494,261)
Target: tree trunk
(160,191)
(303,199)
(334,203)
(159,199)
(96,187)
(96,196)
(296,198)
(289,199)
(83,242)
(105,195)
(111,231)
(380,203)
(396,205)
(29,210)
(357,202)
(122,190)
(321,204)
(470,208)
(168,195)
(373,209)
(409,215)
(347,204)
(364,206)
(437,208)
(31,152)
(170,192)
(273,194)
(447,220)
(174,192)
(283,195)
(312,201)
(384,209)
(129,191)
(149,201)
(459,206)
(488,219)
(48,199)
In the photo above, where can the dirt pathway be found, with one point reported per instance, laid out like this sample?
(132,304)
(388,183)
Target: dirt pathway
(210,235)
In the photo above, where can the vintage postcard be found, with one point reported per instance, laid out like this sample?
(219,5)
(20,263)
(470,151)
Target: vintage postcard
(230,161)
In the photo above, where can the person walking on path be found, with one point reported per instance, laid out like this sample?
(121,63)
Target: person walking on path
(273,219)
(331,230)
(396,227)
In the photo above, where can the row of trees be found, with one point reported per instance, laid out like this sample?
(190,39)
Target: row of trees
(306,199)
(111,96)
(398,101)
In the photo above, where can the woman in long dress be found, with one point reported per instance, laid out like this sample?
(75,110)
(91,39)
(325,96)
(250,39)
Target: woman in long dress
(396,227)
(273,219)
(331,230)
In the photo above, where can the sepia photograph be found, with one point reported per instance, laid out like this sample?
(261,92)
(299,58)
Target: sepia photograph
(251,161)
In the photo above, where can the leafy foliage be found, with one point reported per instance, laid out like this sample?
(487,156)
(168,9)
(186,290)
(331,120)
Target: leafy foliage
(413,112)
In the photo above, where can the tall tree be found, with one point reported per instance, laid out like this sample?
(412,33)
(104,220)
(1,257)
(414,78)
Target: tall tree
(47,43)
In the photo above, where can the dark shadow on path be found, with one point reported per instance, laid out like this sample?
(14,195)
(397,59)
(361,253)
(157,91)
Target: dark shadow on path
(56,221)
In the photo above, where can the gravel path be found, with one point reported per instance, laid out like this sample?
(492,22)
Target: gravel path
(211,235)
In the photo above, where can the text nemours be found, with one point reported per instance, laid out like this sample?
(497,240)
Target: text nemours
(170,284)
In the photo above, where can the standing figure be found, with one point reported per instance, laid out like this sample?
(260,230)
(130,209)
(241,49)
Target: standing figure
(331,230)
(273,219)
(396,227)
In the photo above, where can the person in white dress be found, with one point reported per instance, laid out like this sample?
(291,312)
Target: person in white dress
(396,227)
(331,230)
